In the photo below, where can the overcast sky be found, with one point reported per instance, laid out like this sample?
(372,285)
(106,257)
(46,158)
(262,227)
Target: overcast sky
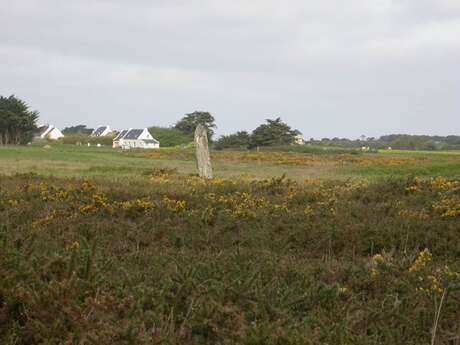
(328,68)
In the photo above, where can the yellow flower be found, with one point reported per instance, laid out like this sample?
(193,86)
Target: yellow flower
(343,290)
(374,272)
(442,183)
(85,209)
(424,257)
(413,189)
(74,246)
(435,286)
(378,258)
(137,204)
(174,205)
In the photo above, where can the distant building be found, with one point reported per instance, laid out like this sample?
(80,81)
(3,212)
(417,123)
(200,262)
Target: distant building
(117,139)
(102,131)
(299,140)
(135,139)
(49,132)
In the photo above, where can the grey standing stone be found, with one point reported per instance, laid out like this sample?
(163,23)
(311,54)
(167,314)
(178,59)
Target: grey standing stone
(203,160)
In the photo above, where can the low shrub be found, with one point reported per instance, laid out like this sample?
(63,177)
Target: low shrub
(183,260)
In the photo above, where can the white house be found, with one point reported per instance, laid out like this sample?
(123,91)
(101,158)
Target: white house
(117,139)
(49,132)
(135,139)
(299,140)
(101,131)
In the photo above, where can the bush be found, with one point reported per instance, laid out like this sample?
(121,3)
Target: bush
(239,140)
(169,137)
(183,260)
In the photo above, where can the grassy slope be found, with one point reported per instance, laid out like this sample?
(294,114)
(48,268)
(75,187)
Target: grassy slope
(68,160)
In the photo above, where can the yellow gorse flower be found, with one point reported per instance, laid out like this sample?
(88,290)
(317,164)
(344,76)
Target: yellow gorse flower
(423,258)
(378,258)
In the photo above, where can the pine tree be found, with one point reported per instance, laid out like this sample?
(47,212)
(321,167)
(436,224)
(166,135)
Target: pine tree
(17,122)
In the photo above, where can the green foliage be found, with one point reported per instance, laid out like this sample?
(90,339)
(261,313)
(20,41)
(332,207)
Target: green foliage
(189,122)
(312,149)
(79,129)
(181,260)
(84,139)
(412,142)
(239,140)
(273,132)
(396,141)
(170,136)
(17,122)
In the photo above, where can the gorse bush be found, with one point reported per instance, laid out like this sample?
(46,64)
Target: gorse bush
(183,260)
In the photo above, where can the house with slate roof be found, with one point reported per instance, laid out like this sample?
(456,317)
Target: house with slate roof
(102,131)
(135,139)
(117,139)
(49,132)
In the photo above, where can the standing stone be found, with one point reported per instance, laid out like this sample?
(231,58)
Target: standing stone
(203,160)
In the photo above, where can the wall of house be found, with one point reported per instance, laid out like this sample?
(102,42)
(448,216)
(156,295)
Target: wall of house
(137,143)
(145,134)
(55,134)
(133,144)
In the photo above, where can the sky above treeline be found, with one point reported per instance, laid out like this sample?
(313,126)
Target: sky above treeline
(328,68)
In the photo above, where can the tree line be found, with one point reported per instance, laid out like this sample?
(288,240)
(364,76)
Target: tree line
(395,141)
(270,133)
(18,125)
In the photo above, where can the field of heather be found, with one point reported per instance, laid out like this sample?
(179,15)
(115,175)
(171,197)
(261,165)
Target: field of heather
(106,247)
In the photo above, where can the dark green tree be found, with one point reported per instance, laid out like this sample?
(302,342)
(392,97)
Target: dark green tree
(189,122)
(78,129)
(239,140)
(170,136)
(17,123)
(273,132)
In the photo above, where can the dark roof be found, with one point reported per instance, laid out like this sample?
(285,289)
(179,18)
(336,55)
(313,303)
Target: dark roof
(98,131)
(150,141)
(133,134)
(121,134)
(43,129)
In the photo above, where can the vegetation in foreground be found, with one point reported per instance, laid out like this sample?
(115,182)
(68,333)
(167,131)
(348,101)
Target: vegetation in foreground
(181,260)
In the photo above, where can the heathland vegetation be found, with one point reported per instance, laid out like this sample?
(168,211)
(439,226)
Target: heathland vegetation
(175,259)
(288,244)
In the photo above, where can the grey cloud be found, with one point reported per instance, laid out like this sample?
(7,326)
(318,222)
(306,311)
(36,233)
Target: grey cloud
(328,68)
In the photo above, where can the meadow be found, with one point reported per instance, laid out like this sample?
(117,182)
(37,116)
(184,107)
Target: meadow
(104,162)
(99,246)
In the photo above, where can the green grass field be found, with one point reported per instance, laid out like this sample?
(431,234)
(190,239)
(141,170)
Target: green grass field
(420,153)
(74,161)
(99,246)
